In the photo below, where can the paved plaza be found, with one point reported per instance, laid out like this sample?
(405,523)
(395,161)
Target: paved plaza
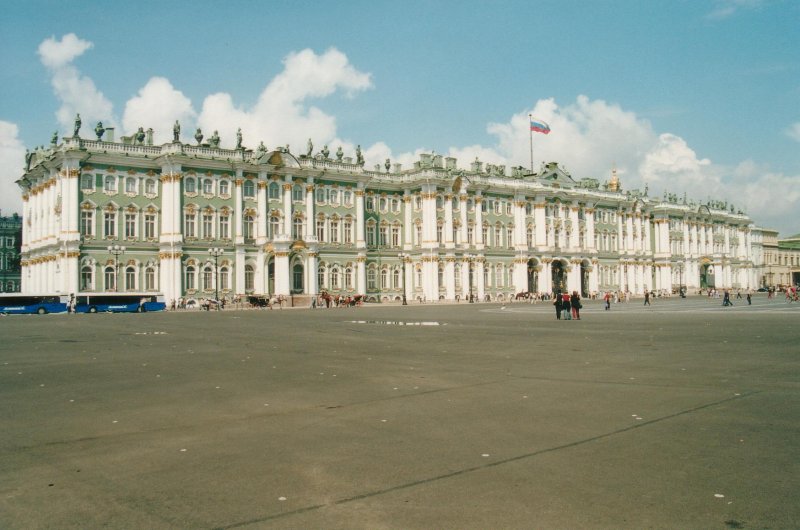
(679,415)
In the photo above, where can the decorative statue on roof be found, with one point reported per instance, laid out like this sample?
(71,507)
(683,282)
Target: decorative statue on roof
(309,148)
(326,152)
(54,139)
(239,138)
(77,126)
(387,164)
(99,130)
(339,154)
(214,140)
(140,136)
(176,132)
(359,156)
(198,135)
(149,136)
(261,149)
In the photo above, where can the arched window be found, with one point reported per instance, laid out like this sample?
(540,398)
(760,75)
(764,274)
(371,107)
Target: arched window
(384,278)
(441,275)
(297,193)
(189,280)
(249,278)
(130,185)
(109,278)
(274,226)
(130,278)
(190,185)
(335,278)
(208,186)
(321,277)
(208,276)
(150,279)
(150,186)
(274,190)
(371,279)
(297,228)
(224,276)
(396,279)
(87,278)
(248,226)
(224,187)
(110,184)
(457,272)
(297,278)
(418,277)
(249,189)
(348,278)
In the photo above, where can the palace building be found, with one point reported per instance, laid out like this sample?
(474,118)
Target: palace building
(193,220)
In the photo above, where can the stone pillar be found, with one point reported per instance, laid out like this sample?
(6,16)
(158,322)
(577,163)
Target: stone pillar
(450,277)
(590,243)
(540,223)
(462,208)
(573,219)
(478,276)
(520,274)
(282,276)
(594,277)
(287,208)
(546,276)
(171,237)
(360,226)
(408,226)
(311,272)
(262,218)
(361,272)
(520,237)
(259,276)
(447,238)
(310,215)
(237,208)
(479,242)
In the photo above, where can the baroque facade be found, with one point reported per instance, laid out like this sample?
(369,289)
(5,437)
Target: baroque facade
(277,223)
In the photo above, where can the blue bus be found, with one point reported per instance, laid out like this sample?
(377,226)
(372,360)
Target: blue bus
(28,304)
(119,302)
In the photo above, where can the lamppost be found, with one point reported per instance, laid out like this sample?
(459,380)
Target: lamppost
(403,257)
(471,260)
(216,252)
(680,285)
(116,251)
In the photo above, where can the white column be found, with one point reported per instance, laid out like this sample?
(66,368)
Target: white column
(310,221)
(480,264)
(262,219)
(590,243)
(573,219)
(520,274)
(450,277)
(462,208)
(479,242)
(361,273)
(259,277)
(360,228)
(540,223)
(238,208)
(447,238)
(408,227)
(311,273)
(287,209)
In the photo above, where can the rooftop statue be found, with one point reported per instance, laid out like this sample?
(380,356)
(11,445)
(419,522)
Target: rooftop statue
(149,136)
(77,126)
(99,130)
(214,140)
(339,154)
(326,152)
(309,148)
(198,136)
(359,156)
(176,132)
(387,164)
(139,136)
(54,139)
(239,138)
(261,149)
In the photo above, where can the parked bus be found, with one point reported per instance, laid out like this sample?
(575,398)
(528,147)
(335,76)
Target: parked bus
(119,302)
(15,303)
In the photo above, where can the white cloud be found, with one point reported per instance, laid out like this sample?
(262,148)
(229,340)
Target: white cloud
(77,93)
(12,159)
(794,131)
(727,8)
(158,104)
(281,114)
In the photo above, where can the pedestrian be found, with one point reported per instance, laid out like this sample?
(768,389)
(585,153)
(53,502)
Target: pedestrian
(567,306)
(558,305)
(647,298)
(749,298)
(607,298)
(726,299)
(575,301)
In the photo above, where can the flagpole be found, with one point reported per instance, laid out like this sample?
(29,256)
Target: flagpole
(530,132)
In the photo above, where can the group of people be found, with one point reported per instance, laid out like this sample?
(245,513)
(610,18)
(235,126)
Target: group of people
(568,306)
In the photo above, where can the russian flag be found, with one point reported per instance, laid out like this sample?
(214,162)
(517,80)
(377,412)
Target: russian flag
(539,126)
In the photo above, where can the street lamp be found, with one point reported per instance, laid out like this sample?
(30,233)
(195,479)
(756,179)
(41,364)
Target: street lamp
(116,251)
(216,252)
(403,257)
(471,260)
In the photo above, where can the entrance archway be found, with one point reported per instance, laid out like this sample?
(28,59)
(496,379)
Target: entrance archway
(298,277)
(707,276)
(559,277)
(533,276)
(585,270)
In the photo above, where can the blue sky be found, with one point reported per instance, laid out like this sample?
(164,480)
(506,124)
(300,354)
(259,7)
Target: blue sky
(697,96)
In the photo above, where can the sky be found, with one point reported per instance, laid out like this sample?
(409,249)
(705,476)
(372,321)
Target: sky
(687,96)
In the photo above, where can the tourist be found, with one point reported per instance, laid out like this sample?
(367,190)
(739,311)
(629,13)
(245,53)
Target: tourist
(575,301)
(566,305)
(607,298)
(558,305)
(647,298)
